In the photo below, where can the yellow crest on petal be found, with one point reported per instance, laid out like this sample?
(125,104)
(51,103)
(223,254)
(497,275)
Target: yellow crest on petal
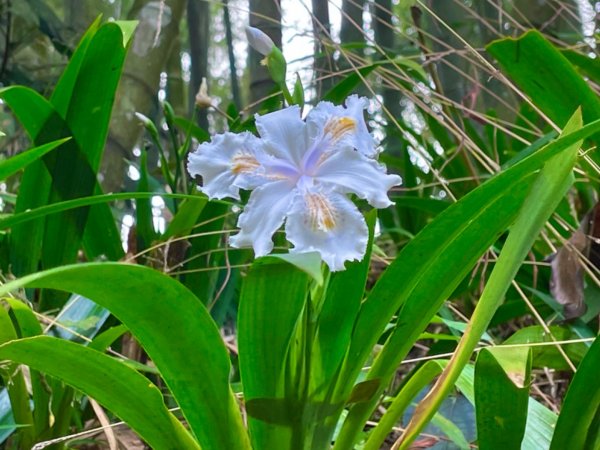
(338,127)
(244,163)
(321,212)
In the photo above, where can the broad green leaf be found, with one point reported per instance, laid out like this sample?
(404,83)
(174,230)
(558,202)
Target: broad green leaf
(589,67)
(271,302)
(548,355)
(578,425)
(546,76)
(550,185)
(39,119)
(7,421)
(12,165)
(128,28)
(64,90)
(84,97)
(430,267)
(540,421)
(175,330)
(501,396)
(431,206)
(120,389)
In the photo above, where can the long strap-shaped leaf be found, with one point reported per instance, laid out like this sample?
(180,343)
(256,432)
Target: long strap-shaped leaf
(118,387)
(176,331)
(430,267)
(551,184)
(578,425)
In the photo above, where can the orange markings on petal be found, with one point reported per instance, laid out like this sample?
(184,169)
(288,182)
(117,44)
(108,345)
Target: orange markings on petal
(244,163)
(321,212)
(339,127)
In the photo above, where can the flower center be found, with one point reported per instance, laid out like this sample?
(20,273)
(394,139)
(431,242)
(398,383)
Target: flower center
(321,212)
(244,163)
(340,126)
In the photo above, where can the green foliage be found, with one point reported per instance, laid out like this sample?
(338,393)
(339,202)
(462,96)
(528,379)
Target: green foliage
(577,425)
(280,353)
(501,396)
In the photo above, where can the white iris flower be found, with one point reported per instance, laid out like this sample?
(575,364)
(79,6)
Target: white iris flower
(300,173)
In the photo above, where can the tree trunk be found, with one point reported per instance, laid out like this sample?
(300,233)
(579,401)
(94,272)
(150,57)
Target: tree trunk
(323,61)
(385,38)
(157,30)
(352,27)
(265,15)
(198,19)
(235,87)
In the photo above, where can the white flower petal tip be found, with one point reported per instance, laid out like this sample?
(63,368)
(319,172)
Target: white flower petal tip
(259,40)
(222,161)
(343,124)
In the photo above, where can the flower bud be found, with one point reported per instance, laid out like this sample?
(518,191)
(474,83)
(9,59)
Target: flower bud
(259,41)
(202,98)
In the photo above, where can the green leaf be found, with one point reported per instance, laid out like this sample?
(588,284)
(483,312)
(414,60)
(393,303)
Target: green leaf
(187,126)
(298,92)
(187,216)
(550,185)
(422,377)
(431,206)
(272,299)
(546,76)
(175,330)
(12,165)
(70,171)
(501,396)
(27,325)
(84,96)
(144,220)
(540,420)
(340,307)
(344,88)
(578,425)
(548,355)
(431,266)
(309,263)
(16,386)
(38,118)
(120,389)
(42,211)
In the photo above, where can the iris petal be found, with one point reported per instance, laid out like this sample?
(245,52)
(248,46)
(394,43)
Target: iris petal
(331,124)
(329,224)
(351,172)
(220,161)
(262,217)
(284,133)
